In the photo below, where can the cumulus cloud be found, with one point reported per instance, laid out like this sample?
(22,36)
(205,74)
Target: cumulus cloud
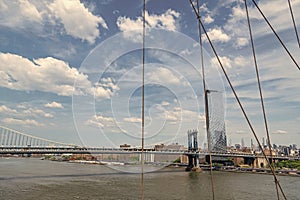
(36,112)
(43,74)
(133,119)
(208,19)
(178,114)
(19,14)
(24,112)
(53,105)
(48,75)
(27,122)
(217,35)
(77,20)
(226,62)
(105,88)
(7,110)
(241,42)
(163,75)
(101,121)
(167,20)
(241,61)
(236,27)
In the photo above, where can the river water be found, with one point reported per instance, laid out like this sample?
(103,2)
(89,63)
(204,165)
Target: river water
(30,179)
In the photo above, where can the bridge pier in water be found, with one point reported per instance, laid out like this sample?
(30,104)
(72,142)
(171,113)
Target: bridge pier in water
(193,157)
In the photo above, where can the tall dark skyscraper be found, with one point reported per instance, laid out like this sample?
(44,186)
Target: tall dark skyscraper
(216,112)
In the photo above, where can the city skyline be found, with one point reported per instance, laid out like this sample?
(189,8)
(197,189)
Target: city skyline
(57,83)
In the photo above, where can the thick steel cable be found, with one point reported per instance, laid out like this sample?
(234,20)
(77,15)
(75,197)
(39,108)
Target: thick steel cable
(235,94)
(279,39)
(293,19)
(206,102)
(143,101)
(261,95)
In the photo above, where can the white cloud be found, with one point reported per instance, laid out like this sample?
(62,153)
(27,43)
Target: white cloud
(53,105)
(105,88)
(241,61)
(101,121)
(226,62)
(163,75)
(7,110)
(279,132)
(43,74)
(25,112)
(133,119)
(75,18)
(37,112)
(48,75)
(19,14)
(241,42)
(238,13)
(78,21)
(237,28)
(165,103)
(167,20)
(203,8)
(217,34)
(28,122)
(208,19)
(100,92)
(178,114)
(173,115)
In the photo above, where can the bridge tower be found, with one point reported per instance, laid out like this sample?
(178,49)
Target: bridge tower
(193,150)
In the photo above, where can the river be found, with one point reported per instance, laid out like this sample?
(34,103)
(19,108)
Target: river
(30,178)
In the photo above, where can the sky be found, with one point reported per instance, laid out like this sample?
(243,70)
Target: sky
(71,70)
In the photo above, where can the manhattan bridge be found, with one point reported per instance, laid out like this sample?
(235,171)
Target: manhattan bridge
(15,142)
(18,143)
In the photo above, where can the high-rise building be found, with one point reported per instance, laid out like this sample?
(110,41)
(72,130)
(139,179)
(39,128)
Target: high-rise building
(242,142)
(216,130)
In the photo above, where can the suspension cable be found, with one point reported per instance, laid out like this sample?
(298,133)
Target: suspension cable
(143,101)
(206,101)
(293,19)
(261,95)
(235,94)
(279,39)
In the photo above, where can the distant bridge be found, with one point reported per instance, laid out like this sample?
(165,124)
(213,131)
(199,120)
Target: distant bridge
(95,150)
(17,143)
(13,138)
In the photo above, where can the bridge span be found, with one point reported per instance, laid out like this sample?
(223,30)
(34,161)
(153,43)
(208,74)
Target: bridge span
(16,143)
(97,150)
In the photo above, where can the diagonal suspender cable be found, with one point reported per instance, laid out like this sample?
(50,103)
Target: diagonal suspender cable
(206,102)
(143,102)
(293,19)
(235,95)
(279,39)
(261,95)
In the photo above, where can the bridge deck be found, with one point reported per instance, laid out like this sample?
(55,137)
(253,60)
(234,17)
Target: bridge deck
(83,150)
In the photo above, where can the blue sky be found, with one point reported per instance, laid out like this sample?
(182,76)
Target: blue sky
(71,70)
